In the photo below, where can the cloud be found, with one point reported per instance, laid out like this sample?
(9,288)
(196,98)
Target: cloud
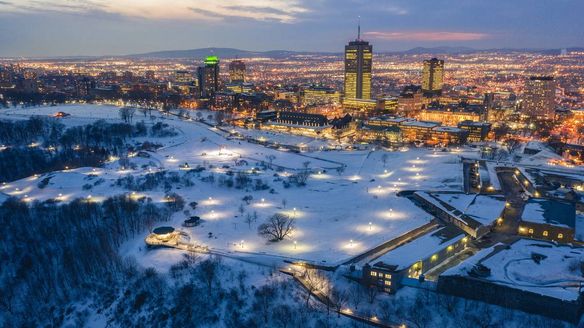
(284,11)
(426,36)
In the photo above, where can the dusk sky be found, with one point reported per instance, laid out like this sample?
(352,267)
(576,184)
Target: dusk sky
(112,27)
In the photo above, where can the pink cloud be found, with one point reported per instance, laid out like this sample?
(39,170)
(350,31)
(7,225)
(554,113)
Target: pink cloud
(427,36)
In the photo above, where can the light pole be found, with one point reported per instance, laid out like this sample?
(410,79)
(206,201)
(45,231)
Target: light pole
(295,244)
(370,227)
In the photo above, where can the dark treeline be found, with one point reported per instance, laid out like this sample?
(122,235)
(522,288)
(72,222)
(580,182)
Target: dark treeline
(22,133)
(87,145)
(55,254)
(18,163)
(50,132)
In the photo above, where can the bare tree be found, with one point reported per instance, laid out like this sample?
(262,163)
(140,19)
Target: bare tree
(338,297)
(248,219)
(219,117)
(277,227)
(372,293)
(208,272)
(127,113)
(284,202)
(513,145)
(271,159)
(314,282)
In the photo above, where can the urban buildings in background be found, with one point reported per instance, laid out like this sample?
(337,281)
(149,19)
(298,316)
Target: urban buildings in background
(411,99)
(208,77)
(358,67)
(433,76)
(539,99)
(237,71)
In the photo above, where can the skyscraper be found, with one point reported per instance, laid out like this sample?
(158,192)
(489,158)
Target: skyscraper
(358,62)
(433,76)
(539,98)
(208,76)
(237,71)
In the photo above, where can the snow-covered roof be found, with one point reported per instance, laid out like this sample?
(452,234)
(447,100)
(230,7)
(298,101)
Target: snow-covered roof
(473,209)
(514,267)
(545,211)
(420,248)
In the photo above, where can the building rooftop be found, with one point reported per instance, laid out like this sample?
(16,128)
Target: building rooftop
(163,230)
(423,124)
(546,211)
(420,248)
(514,266)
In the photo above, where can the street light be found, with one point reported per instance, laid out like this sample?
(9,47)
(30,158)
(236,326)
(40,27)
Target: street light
(295,244)
(242,244)
(369,226)
(351,242)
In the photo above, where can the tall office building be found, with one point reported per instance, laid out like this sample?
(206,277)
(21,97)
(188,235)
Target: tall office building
(433,76)
(539,98)
(358,62)
(237,71)
(208,76)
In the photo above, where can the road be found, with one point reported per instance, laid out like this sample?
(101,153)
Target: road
(513,192)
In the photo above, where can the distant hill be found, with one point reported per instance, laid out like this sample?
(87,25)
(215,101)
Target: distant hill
(233,53)
(221,52)
(436,50)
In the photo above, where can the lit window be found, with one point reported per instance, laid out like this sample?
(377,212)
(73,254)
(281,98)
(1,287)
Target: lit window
(545,233)
(530,230)
(387,276)
(560,235)
(388,283)
(373,273)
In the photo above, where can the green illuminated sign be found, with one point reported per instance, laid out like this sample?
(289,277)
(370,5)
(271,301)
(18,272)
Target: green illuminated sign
(212,60)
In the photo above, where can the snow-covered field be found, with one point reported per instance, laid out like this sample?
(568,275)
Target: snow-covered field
(338,214)
(557,274)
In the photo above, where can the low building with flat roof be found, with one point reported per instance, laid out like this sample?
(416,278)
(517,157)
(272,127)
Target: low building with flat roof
(552,220)
(414,258)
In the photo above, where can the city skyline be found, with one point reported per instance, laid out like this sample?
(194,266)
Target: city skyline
(104,27)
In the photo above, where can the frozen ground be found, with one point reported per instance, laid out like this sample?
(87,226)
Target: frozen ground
(338,215)
(557,275)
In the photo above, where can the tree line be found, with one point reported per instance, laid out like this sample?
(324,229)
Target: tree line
(53,254)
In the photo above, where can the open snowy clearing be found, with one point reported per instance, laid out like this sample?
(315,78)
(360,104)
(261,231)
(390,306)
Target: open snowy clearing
(339,214)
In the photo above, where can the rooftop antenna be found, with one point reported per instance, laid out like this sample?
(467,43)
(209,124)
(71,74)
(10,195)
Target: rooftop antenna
(359,28)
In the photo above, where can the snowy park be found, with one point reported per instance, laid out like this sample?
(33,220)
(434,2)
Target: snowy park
(348,205)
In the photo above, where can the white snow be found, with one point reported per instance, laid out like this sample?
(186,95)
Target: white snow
(557,275)
(417,250)
(358,205)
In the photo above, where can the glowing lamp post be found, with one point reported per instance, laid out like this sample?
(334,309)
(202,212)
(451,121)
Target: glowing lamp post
(295,243)
(351,242)
(370,226)
(241,243)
